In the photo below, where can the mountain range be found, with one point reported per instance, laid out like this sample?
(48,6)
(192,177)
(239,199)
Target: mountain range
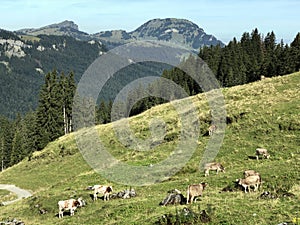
(26,55)
(179,31)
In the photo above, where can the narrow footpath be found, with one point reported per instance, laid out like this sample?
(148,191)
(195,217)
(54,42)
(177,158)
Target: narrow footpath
(21,193)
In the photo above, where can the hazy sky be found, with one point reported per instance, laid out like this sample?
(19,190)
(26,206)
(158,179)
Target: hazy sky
(223,18)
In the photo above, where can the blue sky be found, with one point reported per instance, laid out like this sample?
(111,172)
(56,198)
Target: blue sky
(223,18)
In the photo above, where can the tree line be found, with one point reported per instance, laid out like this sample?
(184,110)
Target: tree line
(52,118)
(251,57)
(239,62)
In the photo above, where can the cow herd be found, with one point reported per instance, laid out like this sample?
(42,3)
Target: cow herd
(72,204)
(251,179)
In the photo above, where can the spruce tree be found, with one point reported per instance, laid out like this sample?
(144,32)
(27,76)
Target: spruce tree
(6,138)
(49,111)
(67,90)
(295,53)
(269,64)
(17,150)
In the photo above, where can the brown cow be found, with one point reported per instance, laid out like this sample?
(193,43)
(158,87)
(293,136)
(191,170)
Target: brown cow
(247,182)
(213,166)
(212,129)
(70,204)
(248,173)
(102,189)
(194,190)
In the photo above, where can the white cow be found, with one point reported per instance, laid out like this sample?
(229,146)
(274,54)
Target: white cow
(70,204)
(263,152)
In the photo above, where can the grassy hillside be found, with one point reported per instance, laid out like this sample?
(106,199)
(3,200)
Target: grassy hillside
(261,114)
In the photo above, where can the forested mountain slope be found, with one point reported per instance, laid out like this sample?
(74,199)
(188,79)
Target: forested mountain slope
(25,60)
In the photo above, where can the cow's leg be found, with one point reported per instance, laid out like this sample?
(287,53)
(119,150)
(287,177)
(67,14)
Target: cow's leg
(195,199)
(192,199)
(60,214)
(95,197)
(206,172)
(187,198)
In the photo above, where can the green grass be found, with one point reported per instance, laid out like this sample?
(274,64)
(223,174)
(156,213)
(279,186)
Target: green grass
(6,195)
(261,114)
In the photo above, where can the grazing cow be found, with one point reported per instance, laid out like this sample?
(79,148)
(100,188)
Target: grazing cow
(263,152)
(102,189)
(247,182)
(248,173)
(70,204)
(212,129)
(213,166)
(194,190)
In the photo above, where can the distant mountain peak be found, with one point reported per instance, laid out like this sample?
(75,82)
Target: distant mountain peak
(64,24)
(170,22)
(67,27)
(178,31)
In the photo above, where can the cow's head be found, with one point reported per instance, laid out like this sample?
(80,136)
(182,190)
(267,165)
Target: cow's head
(109,189)
(203,184)
(222,168)
(240,181)
(78,202)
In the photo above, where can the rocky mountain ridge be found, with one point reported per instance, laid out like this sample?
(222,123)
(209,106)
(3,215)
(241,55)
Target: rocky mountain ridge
(178,31)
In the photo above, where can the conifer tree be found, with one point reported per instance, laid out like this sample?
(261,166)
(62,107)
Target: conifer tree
(49,113)
(30,133)
(295,53)
(17,150)
(269,64)
(6,138)
(67,91)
